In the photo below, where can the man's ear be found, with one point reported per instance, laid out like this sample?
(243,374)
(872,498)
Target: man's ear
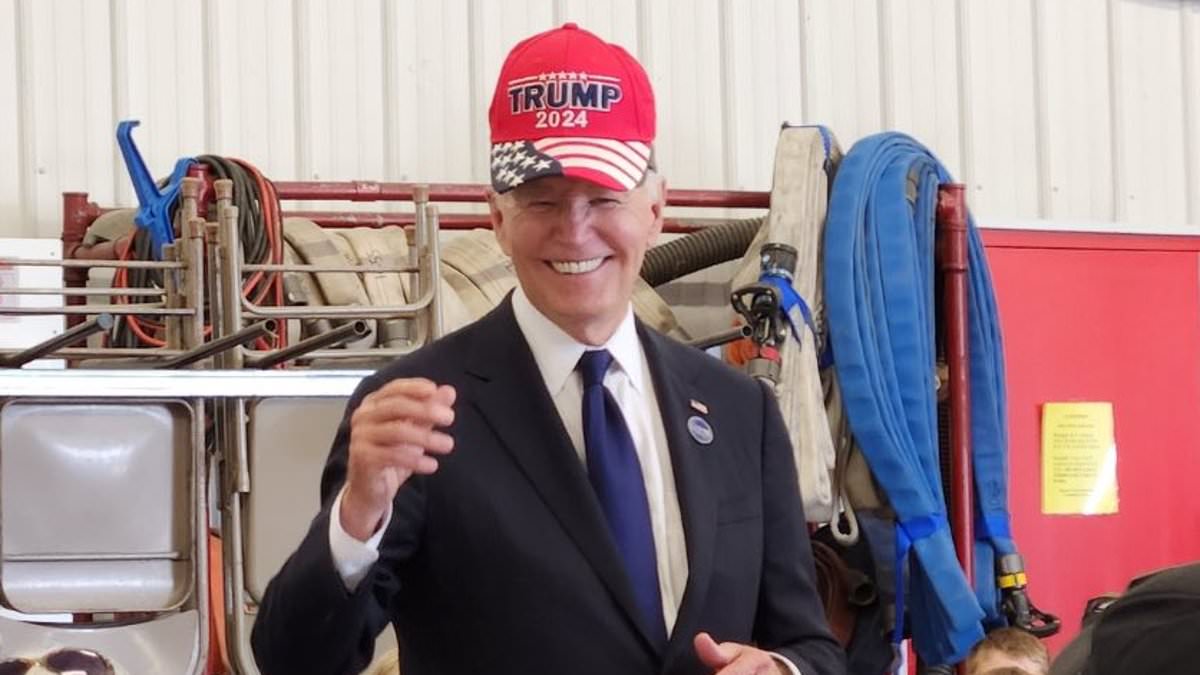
(499,227)
(658,208)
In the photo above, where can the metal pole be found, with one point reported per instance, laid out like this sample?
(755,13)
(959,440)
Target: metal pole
(171,284)
(356,329)
(212,285)
(456,221)
(952,225)
(192,295)
(247,334)
(77,215)
(420,245)
(719,339)
(100,322)
(435,270)
(230,266)
(368,191)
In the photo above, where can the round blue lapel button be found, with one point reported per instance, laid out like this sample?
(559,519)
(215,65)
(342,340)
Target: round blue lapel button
(701,432)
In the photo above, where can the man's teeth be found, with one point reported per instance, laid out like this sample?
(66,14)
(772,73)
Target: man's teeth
(576,266)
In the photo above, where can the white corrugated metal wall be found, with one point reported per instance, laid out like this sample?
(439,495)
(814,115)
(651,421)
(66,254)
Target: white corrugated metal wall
(1058,113)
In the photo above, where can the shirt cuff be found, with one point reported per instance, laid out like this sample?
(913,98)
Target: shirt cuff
(780,658)
(351,557)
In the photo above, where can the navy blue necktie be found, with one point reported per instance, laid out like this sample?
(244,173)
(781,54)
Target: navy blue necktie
(616,476)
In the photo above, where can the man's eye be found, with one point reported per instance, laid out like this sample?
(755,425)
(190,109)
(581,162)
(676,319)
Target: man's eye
(541,204)
(605,201)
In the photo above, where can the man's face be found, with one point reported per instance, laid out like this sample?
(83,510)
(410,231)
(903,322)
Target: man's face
(577,248)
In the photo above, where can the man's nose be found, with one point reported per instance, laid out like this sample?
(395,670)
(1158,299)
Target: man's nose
(575,217)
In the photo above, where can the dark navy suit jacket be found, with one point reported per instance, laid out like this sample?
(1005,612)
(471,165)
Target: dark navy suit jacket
(502,562)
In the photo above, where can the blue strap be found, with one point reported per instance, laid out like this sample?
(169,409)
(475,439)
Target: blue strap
(908,532)
(789,299)
(993,526)
(826,138)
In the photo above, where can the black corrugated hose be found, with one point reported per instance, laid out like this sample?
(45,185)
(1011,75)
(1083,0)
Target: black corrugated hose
(711,246)
(246,198)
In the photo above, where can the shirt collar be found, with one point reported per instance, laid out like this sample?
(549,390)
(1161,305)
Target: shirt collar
(557,353)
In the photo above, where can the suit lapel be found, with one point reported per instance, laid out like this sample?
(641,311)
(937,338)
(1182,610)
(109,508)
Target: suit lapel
(675,387)
(510,394)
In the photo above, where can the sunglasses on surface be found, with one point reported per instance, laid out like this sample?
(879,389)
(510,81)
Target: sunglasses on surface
(62,661)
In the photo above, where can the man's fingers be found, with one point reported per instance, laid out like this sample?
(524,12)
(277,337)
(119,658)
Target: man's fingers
(446,394)
(428,410)
(711,654)
(426,465)
(731,658)
(396,427)
(404,433)
(406,457)
(416,387)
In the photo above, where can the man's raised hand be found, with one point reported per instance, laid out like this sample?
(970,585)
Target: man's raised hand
(393,435)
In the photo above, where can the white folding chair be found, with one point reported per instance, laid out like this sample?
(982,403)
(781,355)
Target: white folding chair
(101,513)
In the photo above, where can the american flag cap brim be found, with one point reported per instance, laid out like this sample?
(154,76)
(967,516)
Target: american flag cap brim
(613,164)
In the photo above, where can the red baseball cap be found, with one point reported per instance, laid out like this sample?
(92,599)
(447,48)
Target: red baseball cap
(570,104)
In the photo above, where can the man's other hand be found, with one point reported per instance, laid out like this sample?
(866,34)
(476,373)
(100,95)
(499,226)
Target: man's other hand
(392,437)
(731,658)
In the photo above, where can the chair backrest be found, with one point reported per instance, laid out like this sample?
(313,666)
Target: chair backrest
(94,505)
(288,442)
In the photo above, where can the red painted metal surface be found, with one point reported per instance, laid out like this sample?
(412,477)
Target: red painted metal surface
(1043,239)
(447,221)
(366,191)
(198,170)
(370,191)
(1090,317)
(78,214)
(952,260)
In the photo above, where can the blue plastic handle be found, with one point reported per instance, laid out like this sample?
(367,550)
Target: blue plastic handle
(154,206)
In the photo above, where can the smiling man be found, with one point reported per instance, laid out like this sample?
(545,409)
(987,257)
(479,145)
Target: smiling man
(558,488)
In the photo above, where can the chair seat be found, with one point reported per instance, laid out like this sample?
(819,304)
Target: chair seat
(169,644)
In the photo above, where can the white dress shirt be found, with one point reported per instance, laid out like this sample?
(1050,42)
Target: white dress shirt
(629,382)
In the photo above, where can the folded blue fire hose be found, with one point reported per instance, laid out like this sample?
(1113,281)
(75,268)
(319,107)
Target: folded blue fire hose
(879,295)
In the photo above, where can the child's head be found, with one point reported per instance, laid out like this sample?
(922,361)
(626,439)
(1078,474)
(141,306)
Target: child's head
(1008,651)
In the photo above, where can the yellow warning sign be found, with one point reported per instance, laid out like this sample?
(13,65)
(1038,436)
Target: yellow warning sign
(1079,458)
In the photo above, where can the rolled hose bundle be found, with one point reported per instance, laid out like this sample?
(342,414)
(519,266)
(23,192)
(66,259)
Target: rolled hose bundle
(804,161)
(698,250)
(879,295)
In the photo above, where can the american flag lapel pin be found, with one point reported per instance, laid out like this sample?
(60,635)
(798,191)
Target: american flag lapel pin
(697,426)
